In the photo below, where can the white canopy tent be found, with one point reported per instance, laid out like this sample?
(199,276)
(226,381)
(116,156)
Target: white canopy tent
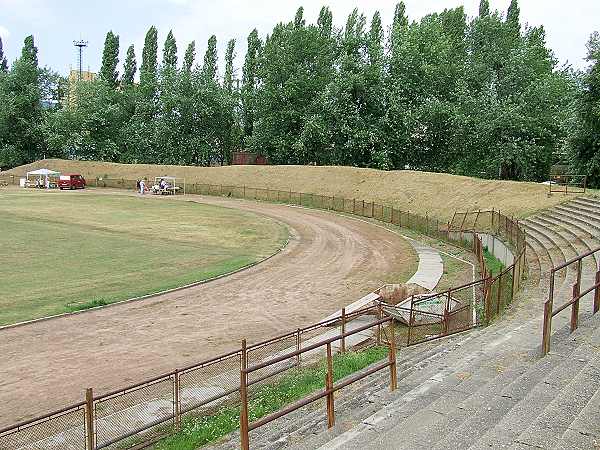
(168,185)
(41,178)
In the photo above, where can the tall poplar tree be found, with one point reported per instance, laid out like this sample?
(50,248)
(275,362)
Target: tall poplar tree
(188,59)
(229,56)
(249,81)
(130,67)
(148,69)
(209,67)
(3,62)
(110,60)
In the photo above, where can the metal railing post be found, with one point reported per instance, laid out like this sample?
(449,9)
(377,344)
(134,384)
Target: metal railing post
(446,315)
(244,436)
(392,358)
(499,293)
(343,343)
(379,317)
(90,431)
(547,327)
(410,321)
(177,401)
(329,388)
(597,293)
(298,344)
(575,308)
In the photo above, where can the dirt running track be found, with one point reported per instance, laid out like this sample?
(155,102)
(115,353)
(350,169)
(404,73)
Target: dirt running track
(329,262)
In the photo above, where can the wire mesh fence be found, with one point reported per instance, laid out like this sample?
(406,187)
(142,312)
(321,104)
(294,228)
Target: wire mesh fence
(61,430)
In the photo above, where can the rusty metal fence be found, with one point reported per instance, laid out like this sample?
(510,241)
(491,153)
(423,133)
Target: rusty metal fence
(501,288)
(587,282)
(567,184)
(152,408)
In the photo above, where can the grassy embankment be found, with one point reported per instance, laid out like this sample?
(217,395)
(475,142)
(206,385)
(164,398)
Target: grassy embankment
(64,252)
(438,194)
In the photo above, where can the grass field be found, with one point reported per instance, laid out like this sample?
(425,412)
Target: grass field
(438,194)
(63,251)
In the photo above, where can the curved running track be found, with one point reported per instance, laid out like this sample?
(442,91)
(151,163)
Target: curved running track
(329,262)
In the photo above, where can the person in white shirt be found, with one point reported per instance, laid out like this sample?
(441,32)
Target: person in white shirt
(142,187)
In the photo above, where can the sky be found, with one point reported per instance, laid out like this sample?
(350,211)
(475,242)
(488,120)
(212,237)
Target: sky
(55,24)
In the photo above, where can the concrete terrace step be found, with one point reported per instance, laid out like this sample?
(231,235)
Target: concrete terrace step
(580,243)
(457,418)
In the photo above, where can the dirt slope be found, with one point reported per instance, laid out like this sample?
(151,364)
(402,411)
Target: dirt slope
(438,194)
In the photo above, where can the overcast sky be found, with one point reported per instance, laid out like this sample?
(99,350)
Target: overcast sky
(56,23)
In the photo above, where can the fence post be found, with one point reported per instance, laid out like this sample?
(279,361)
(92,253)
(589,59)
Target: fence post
(514,274)
(343,343)
(379,317)
(410,320)
(575,308)
(499,293)
(372,208)
(298,345)
(487,290)
(446,314)
(547,330)
(363,209)
(597,293)
(90,420)
(353,206)
(244,437)
(329,387)
(177,401)
(392,358)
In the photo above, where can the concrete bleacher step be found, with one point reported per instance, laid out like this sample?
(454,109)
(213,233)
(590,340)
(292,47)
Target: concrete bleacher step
(537,388)
(579,211)
(558,416)
(581,240)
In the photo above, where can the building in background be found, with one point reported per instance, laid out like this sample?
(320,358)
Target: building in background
(73,79)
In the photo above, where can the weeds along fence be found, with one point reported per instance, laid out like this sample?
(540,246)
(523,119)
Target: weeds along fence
(152,408)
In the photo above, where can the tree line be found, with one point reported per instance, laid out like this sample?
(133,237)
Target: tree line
(481,96)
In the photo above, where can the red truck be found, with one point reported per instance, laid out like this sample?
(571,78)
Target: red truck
(71,181)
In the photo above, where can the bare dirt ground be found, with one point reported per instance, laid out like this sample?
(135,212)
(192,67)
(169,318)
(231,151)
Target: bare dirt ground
(330,261)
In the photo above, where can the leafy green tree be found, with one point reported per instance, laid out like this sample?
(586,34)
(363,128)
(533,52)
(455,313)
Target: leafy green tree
(110,60)
(484,8)
(21,132)
(139,133)
(249,82)
(3,62)
(229,56)
(130,67)
(585,145)
(190,55)
(209,68)
(149,67)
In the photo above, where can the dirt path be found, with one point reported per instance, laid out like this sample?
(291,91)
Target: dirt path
(329,262)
